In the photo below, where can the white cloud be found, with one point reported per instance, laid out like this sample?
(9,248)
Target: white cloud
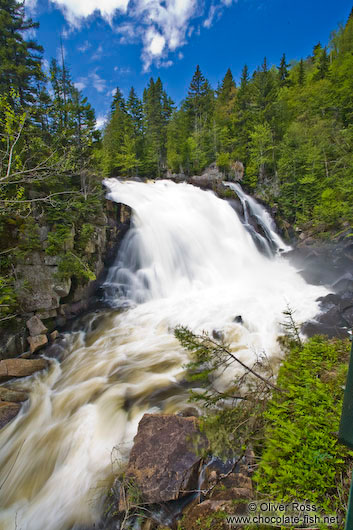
(123,70)
(211,14)
(100,121)
(163,26)
(99,84)
(80,85)
(84,47)
(97,54)
(30,6)
(79,9)
(180,56)
(93,79)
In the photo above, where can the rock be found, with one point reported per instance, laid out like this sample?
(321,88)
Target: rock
(90,247)
(20,367)
(238,169)
(35,286)
(54,335)
(43,233)
(35,326)
(51,260)
(7,412)
(218,334)
(7,394)
(164,463)
(44,315)
(207,514)
(35,343)
(62,287)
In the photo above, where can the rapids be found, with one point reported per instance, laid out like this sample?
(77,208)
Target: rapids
(188,260)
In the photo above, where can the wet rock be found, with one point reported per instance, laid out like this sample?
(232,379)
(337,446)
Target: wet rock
(35,326)
(218,334)
(54,335)
(164,462)
(8,411)
(7,394)
(37,342)
(20,367)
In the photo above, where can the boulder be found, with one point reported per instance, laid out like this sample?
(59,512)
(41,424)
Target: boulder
(20,367)
(35,326)
(165,459)
(35,285)
(54,335)
(7,412)
(35,343)
(7,394)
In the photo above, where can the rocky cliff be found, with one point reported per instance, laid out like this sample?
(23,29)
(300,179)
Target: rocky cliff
(49,292)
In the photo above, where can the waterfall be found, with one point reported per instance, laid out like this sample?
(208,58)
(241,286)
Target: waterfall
(186,260)
(270,242)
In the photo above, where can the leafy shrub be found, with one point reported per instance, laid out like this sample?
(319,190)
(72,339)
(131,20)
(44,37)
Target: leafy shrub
(71,265)
(58,239)
(302,458)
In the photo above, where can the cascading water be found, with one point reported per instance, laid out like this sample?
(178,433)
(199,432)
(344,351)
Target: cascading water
(187,260)
(271,242)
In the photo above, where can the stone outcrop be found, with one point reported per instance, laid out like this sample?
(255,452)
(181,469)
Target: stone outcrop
(8,411)
(165,459)
(329,264)
(43,296)
(35,326)
(16,396)
(20,367)
(37,342)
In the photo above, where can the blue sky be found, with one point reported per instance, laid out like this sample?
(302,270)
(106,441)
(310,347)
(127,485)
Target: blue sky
(111,43)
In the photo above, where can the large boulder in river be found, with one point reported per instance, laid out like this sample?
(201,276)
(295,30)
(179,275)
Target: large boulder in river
(165,460)
(20,367)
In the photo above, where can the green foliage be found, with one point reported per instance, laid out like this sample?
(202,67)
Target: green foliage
(234,416)
(58,239)
(302,458)
(8,299)
(72,265)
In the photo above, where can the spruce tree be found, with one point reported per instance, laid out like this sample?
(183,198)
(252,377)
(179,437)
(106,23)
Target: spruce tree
(323,65)
(283,71)
(20,59)
(301,73)
(118,101)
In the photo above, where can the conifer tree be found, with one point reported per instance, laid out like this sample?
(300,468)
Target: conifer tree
(323,64)
(20,60)
(301,73)
(283,71)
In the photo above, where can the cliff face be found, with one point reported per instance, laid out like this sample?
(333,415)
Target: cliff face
(44,291)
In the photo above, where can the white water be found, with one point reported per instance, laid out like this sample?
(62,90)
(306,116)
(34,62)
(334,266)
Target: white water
(252,208)
(188,260)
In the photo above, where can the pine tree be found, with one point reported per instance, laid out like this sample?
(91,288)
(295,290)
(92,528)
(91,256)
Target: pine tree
(227,89)
(323,65)
(200,101)
(135,109)
(301,73)
(283,71)
(20,60)
(118,101)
